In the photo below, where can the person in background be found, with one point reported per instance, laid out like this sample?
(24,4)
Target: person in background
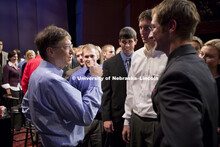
(140,118)
(108,51)
(197,43)
(114,90)
(29,68)
(210,52)
(24,61)
(185,97)
(57,110)
(30,54)
(3,62)
(12,76)
(19,55)
(79,58)
(93,132)
(118,50)
(100,59)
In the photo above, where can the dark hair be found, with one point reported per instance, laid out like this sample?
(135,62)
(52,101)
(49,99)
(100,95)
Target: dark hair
(11,54)
(49,37)
(184,12)
(145,15)
(127,33)
(19,54)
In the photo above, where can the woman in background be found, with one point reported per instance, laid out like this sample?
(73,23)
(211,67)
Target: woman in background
(210,52)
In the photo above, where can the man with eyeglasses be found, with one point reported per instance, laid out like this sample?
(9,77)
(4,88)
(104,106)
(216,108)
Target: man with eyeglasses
(147,65)
(59,111)
(115,72)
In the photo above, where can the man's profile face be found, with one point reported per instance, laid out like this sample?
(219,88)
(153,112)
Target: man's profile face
(63,53)
(89,56)
(161,36)
(127,45)
(144,29)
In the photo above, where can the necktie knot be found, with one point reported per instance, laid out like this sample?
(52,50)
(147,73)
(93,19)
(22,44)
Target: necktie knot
(128,63)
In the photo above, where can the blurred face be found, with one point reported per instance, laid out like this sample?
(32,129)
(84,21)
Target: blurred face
(161,36)
(89,56)
(127,46)
(197,47)
(1,46)
(79,57)
(63,53)
(31,56)
(109,53)
(14,58)
(144,28)
(211,56)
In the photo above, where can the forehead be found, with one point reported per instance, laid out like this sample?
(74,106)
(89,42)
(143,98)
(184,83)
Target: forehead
(143,22)
(91,51)
(65,40)
(209,49)
(123,39)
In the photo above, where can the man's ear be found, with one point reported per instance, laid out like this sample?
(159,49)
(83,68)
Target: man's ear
(172,25)
(50,51)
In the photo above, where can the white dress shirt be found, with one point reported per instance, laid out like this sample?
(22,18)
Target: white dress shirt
(146,68)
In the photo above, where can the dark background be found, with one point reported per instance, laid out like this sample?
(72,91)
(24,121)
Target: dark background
(88,21)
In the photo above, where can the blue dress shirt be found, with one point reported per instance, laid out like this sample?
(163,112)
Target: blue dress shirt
(124,57)
(81,80)
(58,110)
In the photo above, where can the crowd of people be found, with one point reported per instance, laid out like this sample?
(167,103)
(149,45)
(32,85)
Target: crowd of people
(163,94)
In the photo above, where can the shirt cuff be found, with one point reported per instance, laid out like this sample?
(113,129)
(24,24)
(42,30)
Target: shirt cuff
(96,82)
(127,122)
(6,86)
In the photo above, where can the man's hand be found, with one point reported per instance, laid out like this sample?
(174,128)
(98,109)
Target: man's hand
(95,69)
(126,133)
(108,126)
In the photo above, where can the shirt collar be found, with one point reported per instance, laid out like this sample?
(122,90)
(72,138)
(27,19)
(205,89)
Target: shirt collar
(149,53)
(11,64)
(52,67)
(124,57)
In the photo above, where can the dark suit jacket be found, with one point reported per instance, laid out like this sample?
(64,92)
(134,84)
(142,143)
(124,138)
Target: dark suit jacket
(4,62)
(185,99)
(114,91)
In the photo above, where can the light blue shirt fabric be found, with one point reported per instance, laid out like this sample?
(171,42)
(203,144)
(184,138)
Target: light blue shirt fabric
(81,80)
(57,110)
(124,57)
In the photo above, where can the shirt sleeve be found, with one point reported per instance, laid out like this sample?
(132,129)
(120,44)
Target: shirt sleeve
(25,107)
(68,101)
(129,98)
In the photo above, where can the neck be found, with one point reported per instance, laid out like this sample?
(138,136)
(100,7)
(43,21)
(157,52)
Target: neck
(177,43)
(149,46)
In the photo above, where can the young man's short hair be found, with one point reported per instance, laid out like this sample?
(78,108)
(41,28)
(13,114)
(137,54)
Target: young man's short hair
(127,33)
(184,12)
(145,15)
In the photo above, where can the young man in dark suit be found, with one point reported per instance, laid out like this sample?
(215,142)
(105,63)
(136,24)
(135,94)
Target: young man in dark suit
(115,72)
(185,97)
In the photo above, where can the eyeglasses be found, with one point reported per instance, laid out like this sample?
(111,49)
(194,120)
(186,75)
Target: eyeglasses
(66,47)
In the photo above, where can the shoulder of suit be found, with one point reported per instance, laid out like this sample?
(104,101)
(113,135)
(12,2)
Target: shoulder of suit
(112,59)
